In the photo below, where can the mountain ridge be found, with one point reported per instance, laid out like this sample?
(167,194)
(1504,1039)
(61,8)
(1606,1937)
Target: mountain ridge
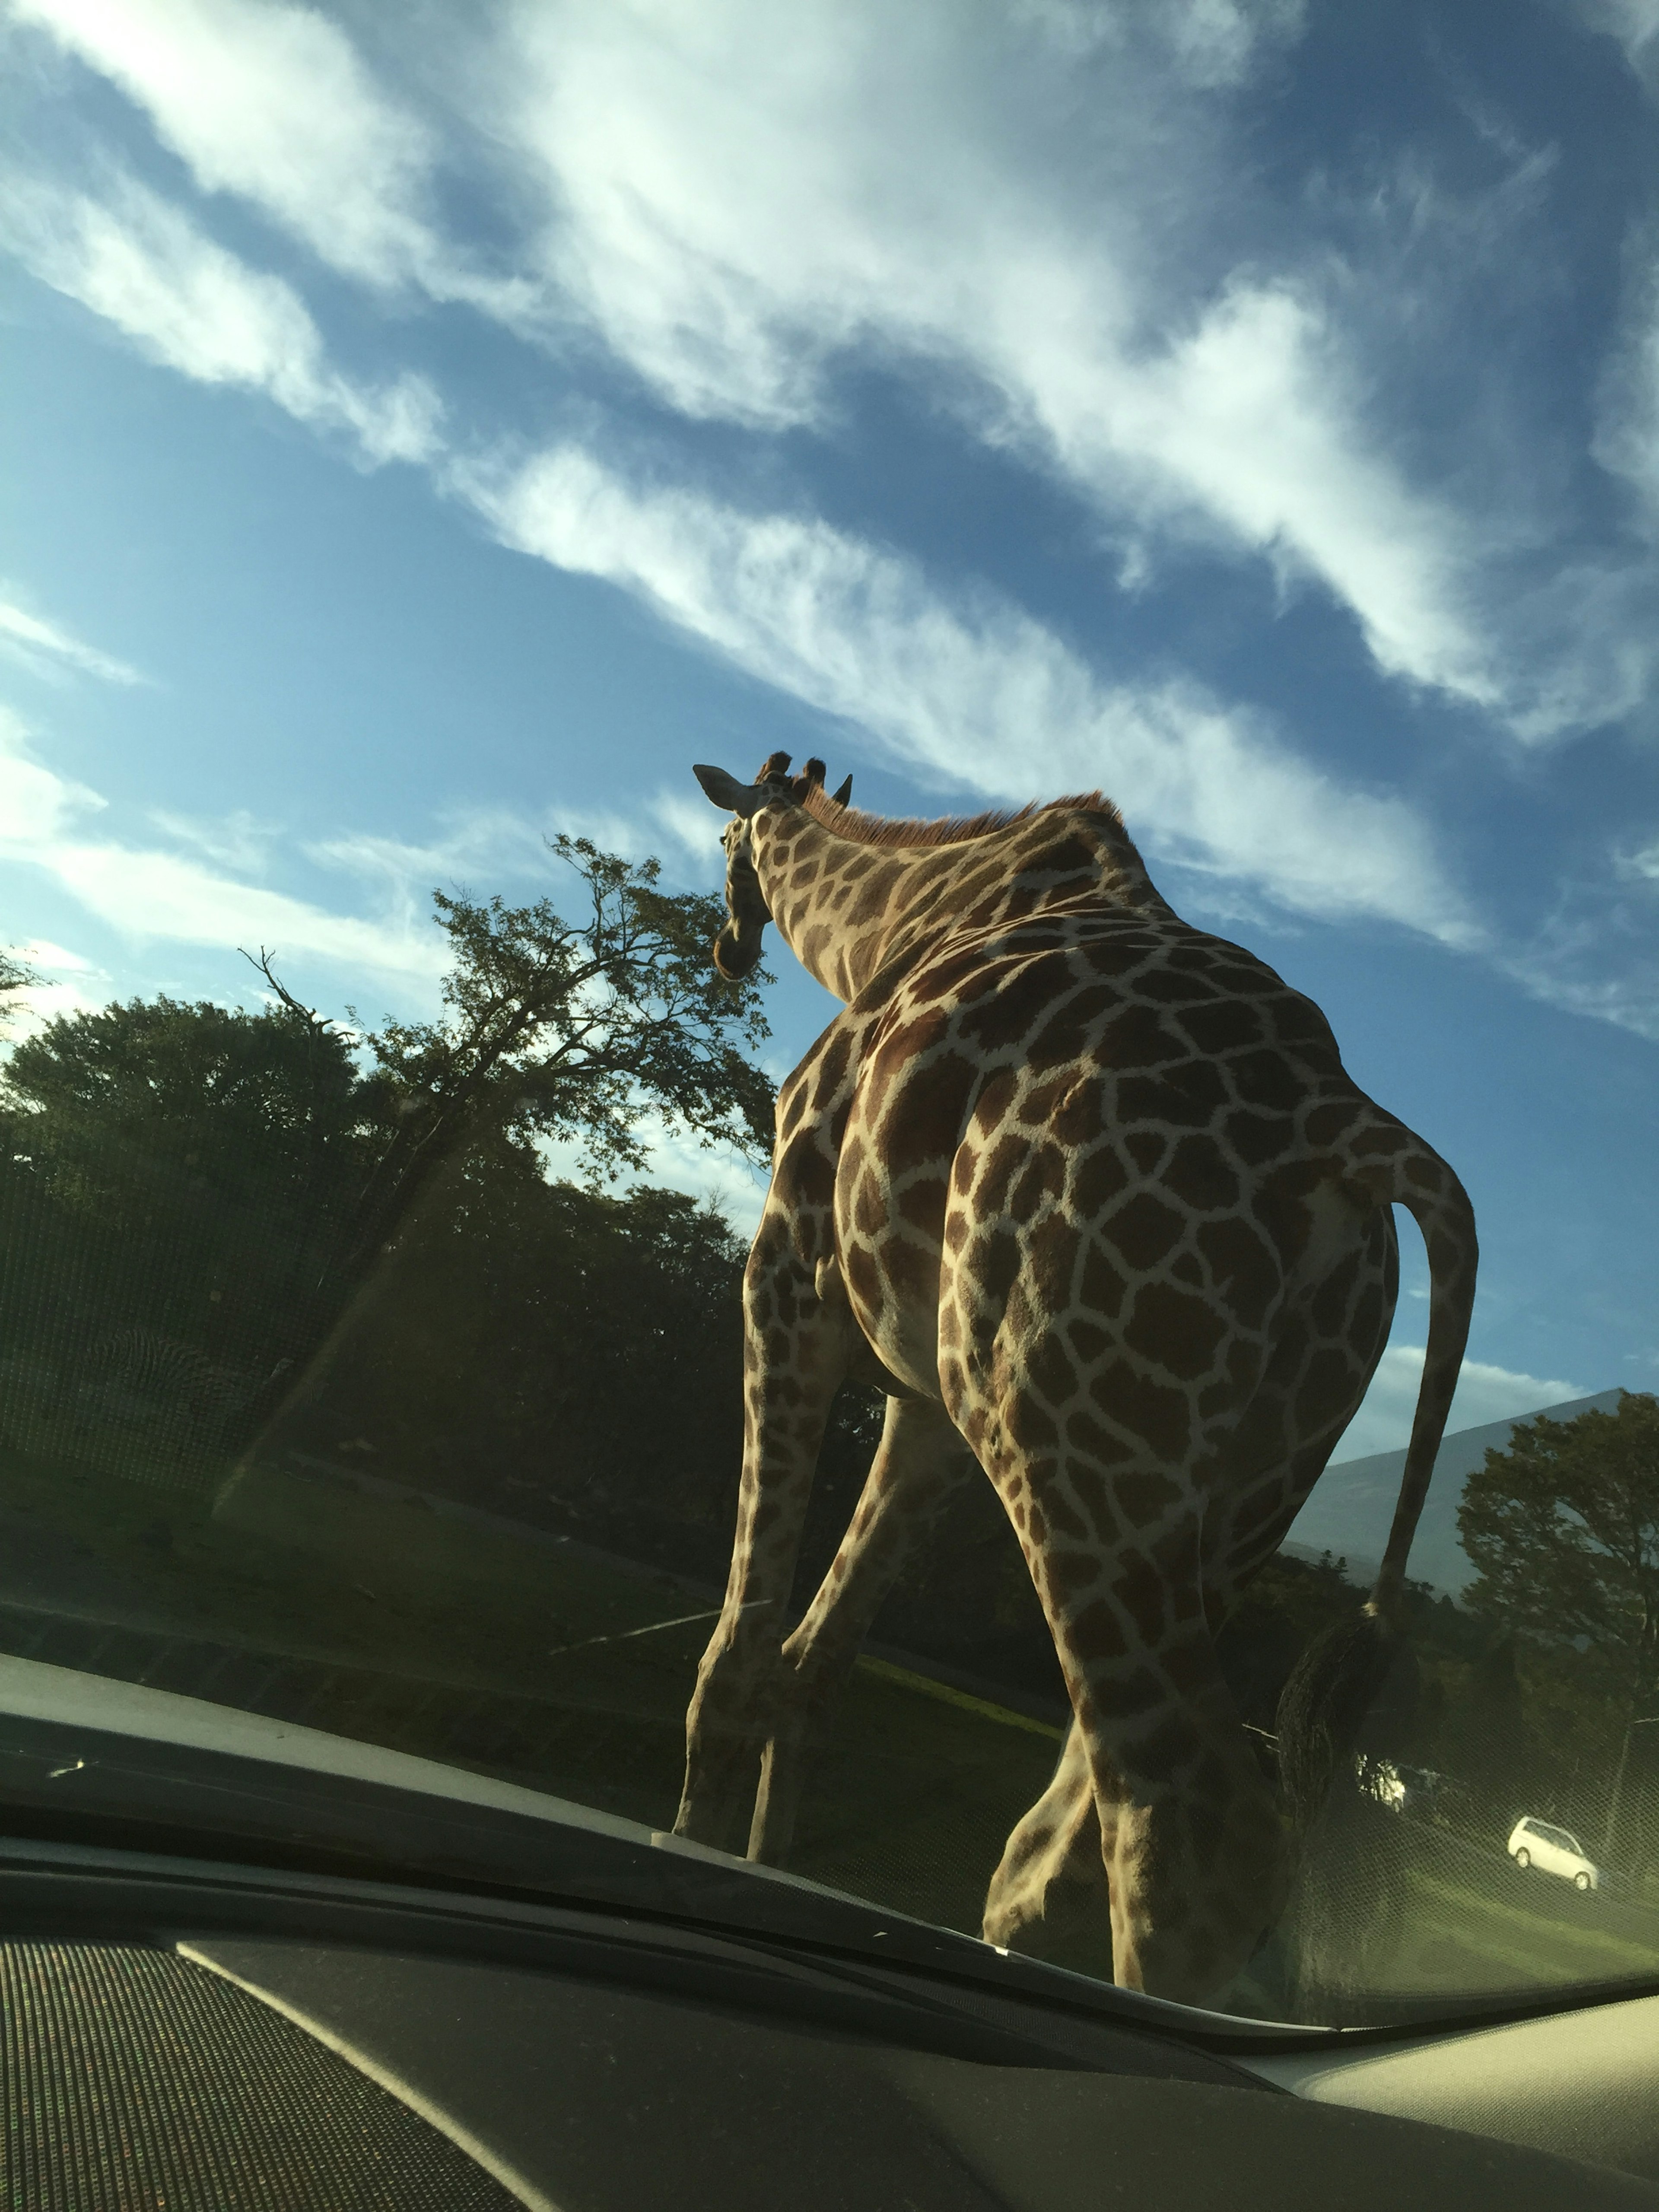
(1351,1505)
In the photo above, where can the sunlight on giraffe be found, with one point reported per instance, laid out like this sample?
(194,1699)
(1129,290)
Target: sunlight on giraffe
(1090,1195)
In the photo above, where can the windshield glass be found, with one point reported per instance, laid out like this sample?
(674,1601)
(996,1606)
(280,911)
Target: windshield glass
(879,1330)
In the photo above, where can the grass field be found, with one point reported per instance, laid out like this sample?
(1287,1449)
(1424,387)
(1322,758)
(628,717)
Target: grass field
(412,1628)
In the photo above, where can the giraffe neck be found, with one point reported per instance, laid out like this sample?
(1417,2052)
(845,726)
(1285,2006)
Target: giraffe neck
(846,909)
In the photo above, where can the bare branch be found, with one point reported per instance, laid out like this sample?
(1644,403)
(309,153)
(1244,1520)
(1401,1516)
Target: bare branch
(308,1015)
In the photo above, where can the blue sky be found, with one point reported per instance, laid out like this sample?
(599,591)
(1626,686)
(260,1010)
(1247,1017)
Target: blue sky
(421,429)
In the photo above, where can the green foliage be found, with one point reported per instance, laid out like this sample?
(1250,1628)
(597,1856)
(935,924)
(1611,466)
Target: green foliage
(232,1181)
(1562,1527)
(15,976)
(184,1167)
(124,1111)
(555,1029)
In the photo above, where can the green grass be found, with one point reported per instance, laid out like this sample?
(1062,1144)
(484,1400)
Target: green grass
(910,1805)
(1516,1947)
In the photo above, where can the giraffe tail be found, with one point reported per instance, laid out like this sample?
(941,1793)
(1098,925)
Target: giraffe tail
(1342,1675)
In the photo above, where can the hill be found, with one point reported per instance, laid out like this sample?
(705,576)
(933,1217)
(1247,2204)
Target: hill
(1353,1502)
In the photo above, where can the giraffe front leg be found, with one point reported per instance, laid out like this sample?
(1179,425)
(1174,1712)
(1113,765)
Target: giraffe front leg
(795,1355)
(1048,1897)
(919,1462)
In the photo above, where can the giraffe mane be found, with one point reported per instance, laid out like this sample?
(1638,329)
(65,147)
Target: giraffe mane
(947,829)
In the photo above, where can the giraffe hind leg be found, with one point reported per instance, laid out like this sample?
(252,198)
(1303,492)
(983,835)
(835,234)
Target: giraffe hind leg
(1049,1895)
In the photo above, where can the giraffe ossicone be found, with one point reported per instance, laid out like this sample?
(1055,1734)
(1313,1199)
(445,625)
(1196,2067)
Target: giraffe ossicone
(1089,1193)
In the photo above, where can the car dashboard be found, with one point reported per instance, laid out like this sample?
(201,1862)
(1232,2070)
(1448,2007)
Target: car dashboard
(227,2027)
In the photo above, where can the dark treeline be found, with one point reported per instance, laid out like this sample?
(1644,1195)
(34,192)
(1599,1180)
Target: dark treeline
(227,1183)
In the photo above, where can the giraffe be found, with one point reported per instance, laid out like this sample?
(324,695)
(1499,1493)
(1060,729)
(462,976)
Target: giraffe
(1090,1195)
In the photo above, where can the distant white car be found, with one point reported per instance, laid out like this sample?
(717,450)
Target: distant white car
(1552,1851)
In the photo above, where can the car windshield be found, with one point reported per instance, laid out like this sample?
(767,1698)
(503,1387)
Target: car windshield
(804,813)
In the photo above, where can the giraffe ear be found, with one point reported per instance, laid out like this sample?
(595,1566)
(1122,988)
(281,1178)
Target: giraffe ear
(844,795)
(744,798)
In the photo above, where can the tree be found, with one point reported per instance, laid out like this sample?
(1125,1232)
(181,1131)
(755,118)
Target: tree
(15,976)
(182,1165)
(233,1180)
(1562,1527)
(558,1028)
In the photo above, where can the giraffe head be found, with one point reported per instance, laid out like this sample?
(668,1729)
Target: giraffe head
(737,947)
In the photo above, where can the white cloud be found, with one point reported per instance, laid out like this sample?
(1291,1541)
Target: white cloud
(37,640)
(1216,42)
(70,984)
(270,102)
(238,839)
(155,894)
(1627,440)
(507,845)
(732,205)
(274,104)
(731,201)
(38,806)
(1485,1394)
(26,1012)
(1022,210)
(140,263)
(1596,951)
(1634,23)
(694,827)
(55,959)
(981,696)
(515,845)
(160,895)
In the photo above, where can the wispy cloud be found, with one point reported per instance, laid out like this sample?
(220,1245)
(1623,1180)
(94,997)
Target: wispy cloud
(151,894)
(732,211)
(268,102)
(38,642)
(695,830)
(979,696)
(237,840)
(1021,212)
(1634,23)
(1597,950)
(511,847)
(274,104)
(1485,1393)
(141,263)
(735,211)
(69,984)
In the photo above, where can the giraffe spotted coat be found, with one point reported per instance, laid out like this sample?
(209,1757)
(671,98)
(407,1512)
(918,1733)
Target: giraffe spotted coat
(1090,1194)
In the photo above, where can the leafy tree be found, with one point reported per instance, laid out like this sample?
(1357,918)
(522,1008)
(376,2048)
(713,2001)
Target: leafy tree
(15,976)
(185,1166)
(233,1180)
(555,1029)
(116,1107)
(1562,1527)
